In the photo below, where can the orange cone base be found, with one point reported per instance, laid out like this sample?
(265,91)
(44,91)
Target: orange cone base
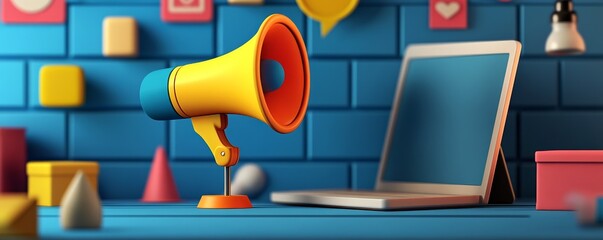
(221,201)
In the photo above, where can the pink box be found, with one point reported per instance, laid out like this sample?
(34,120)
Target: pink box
(561,173)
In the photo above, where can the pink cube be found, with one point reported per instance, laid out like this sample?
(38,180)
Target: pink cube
(561,173)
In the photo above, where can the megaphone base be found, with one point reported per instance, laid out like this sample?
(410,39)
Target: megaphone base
(222,201)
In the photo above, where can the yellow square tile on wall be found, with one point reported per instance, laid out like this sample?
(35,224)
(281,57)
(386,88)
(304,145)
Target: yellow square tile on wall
(120,37)
(61,86)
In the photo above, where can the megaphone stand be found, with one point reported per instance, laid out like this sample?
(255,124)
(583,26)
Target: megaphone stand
(211,129)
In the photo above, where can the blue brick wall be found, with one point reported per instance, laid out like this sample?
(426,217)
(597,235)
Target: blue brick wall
(110,84)
(374,82)
(369,31)
(537,84)
(32,40)
(114,134)
(237,24)
(157,38)
(556,102)
(12,86)
(346,135)
(486,22)
(330,85)
(45,132)
(581,83)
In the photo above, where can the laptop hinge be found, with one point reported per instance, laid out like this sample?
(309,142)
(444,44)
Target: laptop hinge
(502,189)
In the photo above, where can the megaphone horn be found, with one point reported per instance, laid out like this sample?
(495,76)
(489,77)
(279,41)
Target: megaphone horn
(267,78)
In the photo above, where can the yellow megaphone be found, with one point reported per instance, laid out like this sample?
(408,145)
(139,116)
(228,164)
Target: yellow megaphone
(267,78)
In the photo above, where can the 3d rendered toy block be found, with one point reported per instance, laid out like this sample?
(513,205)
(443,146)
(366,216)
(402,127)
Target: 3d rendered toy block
(245,2)
(49,180)
(18,217)
(81,206)
(161,186)
(120,37)
(61,86)
(13,158)
(560,173)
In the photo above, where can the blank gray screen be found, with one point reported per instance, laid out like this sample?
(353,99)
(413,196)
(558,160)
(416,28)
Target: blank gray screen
(445,119)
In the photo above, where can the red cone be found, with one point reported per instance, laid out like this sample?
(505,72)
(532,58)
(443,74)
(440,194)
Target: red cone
(160,184)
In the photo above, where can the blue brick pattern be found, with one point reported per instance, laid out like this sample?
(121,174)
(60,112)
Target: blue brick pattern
(192,180)
(157,38)
(485,23)
(364,175)
(536,84)
(527,184)
(556,102)
(32,40)
(186,144)
(537,27)
(237,24)
(509,141)
(560,130)
(581,83)
(330,84)
(513,174)
(117,88)
(375,82)
(369,31)
(114,134)
(130,178)
(12,84)
(45,132)
(346,135)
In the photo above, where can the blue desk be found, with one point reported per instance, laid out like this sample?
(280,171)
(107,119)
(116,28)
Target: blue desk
(144,221)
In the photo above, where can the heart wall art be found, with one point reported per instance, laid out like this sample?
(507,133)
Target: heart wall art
(448,14)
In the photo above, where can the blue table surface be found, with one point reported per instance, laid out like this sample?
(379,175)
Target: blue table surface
(133,220)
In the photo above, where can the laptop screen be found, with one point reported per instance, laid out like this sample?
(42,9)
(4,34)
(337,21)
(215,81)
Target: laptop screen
(445,119)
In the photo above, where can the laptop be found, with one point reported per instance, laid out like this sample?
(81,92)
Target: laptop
(442,146)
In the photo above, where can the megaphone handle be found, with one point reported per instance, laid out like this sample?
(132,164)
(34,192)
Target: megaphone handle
(211,129)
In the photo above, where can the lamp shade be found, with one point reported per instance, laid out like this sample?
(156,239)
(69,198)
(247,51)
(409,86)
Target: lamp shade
(564,38)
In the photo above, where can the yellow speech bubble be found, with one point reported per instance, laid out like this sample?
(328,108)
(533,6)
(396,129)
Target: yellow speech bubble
(327,12)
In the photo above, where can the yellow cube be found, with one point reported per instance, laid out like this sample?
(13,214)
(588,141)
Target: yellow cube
(120,37)
(61,86)
(18,217)
(49,180)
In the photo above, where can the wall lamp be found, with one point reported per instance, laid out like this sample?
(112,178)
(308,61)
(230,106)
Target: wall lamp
(564,38)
